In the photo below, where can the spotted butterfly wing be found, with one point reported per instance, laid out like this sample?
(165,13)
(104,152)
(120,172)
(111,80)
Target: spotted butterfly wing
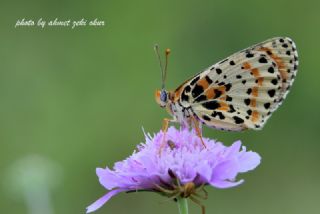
(241,91)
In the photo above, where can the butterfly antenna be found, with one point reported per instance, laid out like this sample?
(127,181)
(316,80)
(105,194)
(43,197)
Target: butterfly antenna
(156,49)
(168,51)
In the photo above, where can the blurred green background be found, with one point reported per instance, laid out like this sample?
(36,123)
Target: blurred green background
(74,100)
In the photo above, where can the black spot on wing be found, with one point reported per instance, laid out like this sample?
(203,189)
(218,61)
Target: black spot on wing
(197,90)
(223,61)
(274,81)
(195,80)
(201,98)
(263,60)
(267,105)
(205,117)
(249,55)
(231,109)
(184,97)
(187,89)
(211,105)
(272,92)
(247,101)
(228,98)
(219,114)
(228,86)
(217,93)
(208,80)
(238,120)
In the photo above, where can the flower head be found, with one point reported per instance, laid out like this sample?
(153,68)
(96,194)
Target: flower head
(183,167)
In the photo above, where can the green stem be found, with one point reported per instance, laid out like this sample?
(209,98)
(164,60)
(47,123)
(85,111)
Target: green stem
(182,205)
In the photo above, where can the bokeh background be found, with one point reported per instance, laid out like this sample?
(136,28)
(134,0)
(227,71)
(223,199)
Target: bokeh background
(74,100)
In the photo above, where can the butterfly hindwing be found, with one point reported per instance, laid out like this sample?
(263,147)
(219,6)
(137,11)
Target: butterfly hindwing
(244,89)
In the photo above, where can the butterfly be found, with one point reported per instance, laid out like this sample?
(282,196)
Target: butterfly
(240,92)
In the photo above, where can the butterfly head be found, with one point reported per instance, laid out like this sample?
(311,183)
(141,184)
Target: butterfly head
(162,96)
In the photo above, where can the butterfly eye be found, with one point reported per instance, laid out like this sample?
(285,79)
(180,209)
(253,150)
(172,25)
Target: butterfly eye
(163,96)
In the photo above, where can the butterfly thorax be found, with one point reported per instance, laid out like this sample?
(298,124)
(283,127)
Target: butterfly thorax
(181,111)
(170,100)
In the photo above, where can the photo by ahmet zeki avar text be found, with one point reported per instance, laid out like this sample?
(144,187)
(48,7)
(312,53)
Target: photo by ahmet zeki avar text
(238,93)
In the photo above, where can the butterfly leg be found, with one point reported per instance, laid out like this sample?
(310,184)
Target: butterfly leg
(165,126)
(198,130)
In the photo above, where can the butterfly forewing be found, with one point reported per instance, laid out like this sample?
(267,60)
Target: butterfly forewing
(244,89)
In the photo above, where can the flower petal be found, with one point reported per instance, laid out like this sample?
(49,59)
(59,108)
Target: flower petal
(226,170)
(187,159)
(233,149)
(107,178)
(101,201)
(205,172)
(225,184)
(249,161)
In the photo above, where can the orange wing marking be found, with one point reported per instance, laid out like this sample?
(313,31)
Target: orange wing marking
(260,81)
(223,106)
(255,91)
(255,72)
(246,65)
(278,61)
(211,93)
(204,83)
(255,116)
(253,103)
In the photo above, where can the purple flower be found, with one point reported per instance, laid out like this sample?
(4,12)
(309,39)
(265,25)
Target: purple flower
(180,167)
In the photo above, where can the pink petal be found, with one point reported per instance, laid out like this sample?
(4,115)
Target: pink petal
(226,170)
(107,178)
(101,201)
(249,161)
(233,149)
(225,184)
